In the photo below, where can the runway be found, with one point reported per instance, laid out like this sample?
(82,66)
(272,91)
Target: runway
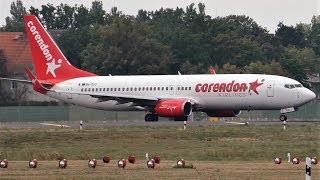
(162,122)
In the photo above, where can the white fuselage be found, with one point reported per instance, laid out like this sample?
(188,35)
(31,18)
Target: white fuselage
(209,92)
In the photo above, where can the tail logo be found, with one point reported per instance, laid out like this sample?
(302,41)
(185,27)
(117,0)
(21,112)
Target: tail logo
(51,66)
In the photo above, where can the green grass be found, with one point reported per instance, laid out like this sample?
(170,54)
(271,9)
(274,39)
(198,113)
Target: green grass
(213,143)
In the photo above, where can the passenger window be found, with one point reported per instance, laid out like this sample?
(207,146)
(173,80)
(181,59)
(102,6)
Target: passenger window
(143,89)
(162,88)
(178,88)
(131,89)
(104,89)
(171,88)
(81,89)
(96,89)
(147,88)
(167,88)
(119,89)
(182,88)
(127,89)
(139,88)
(158,88)
(111,89)
(123,89)
(154,88)
(85,89)
(135,89)
(88,89)
(92,89)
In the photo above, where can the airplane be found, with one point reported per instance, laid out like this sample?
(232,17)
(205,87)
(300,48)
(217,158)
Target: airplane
(173,96)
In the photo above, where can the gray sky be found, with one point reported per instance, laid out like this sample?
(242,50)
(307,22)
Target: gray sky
(267,13)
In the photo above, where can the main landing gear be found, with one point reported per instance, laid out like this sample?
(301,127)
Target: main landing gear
(283,117)
(151,117)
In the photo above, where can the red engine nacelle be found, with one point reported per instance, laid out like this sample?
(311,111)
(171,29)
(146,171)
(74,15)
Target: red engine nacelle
(173,108)
(225,113)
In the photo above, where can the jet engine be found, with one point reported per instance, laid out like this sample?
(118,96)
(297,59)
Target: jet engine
(173,108)
(224,113)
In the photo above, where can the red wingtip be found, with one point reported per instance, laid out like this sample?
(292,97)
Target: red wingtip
(212,71)
(35,83)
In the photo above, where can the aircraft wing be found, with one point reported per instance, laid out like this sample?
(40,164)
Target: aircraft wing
(17,80)
(122,99)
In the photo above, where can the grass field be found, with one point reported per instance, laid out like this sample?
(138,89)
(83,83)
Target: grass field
(218,152)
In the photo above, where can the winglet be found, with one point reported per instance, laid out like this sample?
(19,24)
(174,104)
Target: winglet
(212,71)
(37,86)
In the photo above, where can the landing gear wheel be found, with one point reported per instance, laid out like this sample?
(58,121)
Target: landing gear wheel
(151,117)
(283,117)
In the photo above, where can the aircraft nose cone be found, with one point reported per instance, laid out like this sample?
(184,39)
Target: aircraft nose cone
(309,95)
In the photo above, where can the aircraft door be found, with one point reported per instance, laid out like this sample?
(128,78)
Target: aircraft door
(178,89)
(270,88)
(68,93)
(171,90)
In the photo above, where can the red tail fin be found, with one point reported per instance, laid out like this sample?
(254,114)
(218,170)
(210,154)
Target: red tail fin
(49,62)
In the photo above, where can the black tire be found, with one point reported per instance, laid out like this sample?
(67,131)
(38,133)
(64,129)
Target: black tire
(283,117)
(151,117)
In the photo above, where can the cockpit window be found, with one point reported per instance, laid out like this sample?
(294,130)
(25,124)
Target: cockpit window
(291,86)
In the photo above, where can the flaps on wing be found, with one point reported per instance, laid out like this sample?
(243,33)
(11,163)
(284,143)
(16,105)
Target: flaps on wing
(120,98)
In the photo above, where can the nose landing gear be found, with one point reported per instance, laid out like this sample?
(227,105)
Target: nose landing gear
(283,117)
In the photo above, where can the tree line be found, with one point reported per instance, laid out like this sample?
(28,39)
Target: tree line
(168,40)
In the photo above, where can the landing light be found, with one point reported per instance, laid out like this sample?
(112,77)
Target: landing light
(63,163)
(92,163)
(314,161)
(277,160)
(181,163)
(151,163)
(296,160)
(4,163)
(33,163)
(132,159)
(122,163)
(106,159)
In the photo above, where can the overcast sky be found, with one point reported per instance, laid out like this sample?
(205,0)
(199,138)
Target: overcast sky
(267,13)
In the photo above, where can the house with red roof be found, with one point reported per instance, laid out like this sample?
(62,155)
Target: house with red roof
(15,49)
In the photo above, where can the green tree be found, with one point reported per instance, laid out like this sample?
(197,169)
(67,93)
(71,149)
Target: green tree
(81,17)
(290,35)
(15,22)
(314,36)
(229,69)
(64,16)
(97,14)
(124,49)
(48,16)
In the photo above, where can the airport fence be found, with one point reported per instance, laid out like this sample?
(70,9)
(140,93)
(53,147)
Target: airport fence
(76,113)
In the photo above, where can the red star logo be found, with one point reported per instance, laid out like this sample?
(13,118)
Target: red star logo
(254,85)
